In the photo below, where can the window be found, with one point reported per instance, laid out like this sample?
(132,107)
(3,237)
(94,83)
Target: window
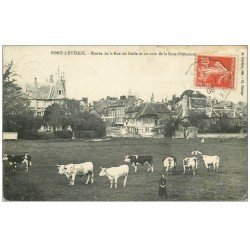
(59,92)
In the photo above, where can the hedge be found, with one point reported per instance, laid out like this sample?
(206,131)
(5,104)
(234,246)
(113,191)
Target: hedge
(65,134)
(46,135)
(85,134)
(28,134)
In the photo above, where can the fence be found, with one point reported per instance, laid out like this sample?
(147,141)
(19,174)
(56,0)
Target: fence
(223,135)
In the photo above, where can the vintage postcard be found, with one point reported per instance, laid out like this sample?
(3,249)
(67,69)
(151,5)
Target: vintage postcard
(125,123)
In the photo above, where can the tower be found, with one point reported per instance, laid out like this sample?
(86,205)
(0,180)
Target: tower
(152,99)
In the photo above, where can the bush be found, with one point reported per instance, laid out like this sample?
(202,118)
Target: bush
(213,128)
(65,134)
(100,130)
(46,135)
(169,129)
(29,134)
(234,129)
(85,134)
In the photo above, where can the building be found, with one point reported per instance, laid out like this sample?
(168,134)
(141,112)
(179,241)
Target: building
(102,104)
(191,132)
(42,95)
(112,109)
(146,119)
(205,113)
(114,114)
(192,106)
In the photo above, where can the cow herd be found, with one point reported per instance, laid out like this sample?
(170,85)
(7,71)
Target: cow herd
(169,163)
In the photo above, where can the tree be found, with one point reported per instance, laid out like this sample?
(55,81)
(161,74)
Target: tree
(75,116)
(16,110)
(85,121)
(223,124)
(169,128)
(28,127)
(191,93)
(81,120)
(199,120)
(54,116)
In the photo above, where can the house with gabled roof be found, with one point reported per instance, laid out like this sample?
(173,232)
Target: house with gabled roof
(42,95)
(147,119)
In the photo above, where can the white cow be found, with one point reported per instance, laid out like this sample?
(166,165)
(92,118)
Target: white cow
(211,160)
(208,160)
(71,170)
(114,173)
(169,164)
(190,163)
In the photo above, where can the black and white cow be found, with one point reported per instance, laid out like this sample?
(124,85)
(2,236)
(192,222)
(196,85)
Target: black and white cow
(18,159)
(190,163)
(141,160)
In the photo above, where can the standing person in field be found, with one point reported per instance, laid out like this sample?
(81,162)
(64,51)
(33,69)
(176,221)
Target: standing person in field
(162,187)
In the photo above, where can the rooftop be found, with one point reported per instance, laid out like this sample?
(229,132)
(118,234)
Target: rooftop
(146,109)
(55,89)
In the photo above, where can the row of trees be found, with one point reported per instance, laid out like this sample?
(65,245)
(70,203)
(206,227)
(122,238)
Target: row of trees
(71,114)
(19,117)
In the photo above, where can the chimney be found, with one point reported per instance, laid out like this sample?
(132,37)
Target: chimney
(152,99)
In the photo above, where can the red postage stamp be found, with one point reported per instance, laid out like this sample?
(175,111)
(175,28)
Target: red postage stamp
(215,71)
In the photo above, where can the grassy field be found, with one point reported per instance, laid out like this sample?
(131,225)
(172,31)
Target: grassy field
(43,183)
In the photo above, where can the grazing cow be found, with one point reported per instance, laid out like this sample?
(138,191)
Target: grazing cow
(114,173)
(169,164)
(71,170)
(190,163)
(211,160)
(140,159)
(20,159)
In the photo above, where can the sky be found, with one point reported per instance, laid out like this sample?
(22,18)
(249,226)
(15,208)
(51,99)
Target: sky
(89,72)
